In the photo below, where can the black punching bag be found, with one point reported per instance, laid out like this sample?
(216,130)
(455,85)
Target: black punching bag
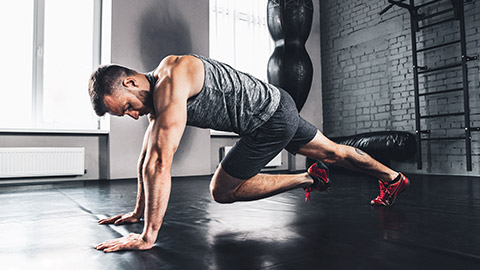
(290,67)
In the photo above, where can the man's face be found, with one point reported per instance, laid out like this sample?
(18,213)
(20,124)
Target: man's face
(133,103)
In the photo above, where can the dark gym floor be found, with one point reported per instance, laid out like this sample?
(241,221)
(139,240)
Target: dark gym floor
(435,224)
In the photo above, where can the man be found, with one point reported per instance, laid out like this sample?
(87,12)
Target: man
(198,91)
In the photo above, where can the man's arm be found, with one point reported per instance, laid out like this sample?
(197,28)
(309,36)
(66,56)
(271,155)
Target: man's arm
(140,205)
(137,213)
(167,130)
(166,135)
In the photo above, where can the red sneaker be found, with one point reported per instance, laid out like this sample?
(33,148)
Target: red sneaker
(320,180)
(378,200)
(389,194)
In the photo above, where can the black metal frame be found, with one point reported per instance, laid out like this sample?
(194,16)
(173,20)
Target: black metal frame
(415,18)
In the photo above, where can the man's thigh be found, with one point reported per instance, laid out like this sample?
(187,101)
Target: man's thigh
(305,133)
(252,152)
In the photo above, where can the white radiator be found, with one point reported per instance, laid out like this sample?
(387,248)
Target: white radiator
(275,162)
(41,161)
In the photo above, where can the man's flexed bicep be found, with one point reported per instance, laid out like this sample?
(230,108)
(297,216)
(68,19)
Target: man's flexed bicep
(168,126)
(164,139)
(170,103)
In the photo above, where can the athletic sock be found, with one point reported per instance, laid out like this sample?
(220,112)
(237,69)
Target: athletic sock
(399,176)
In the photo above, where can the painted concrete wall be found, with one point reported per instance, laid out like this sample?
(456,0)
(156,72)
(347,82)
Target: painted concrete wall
(143,32)
(313,108)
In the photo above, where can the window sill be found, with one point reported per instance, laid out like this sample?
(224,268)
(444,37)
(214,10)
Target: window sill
(6,131)
(216,133)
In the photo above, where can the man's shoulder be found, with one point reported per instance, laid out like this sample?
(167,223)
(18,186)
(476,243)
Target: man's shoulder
(185,68)
(177,61)
(182,74)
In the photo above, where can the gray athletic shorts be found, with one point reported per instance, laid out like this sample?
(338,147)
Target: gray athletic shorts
(286,129)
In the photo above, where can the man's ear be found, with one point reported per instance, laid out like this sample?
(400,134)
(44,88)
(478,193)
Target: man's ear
(129,82)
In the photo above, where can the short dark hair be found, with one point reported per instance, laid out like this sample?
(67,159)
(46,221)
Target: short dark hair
(104,81)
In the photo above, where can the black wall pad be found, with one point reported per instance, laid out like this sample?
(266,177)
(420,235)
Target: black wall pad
(383,145)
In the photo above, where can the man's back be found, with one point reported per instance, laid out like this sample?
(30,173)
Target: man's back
(231,100)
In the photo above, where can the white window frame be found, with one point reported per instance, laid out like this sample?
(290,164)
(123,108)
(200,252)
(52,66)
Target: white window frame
(101,55)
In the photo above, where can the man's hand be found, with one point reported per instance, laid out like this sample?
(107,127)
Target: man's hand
(121,219)
(131,242)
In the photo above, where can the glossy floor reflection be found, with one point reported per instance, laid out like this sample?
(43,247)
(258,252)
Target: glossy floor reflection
(435,224)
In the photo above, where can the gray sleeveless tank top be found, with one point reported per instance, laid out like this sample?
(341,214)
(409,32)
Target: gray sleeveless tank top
(231,100)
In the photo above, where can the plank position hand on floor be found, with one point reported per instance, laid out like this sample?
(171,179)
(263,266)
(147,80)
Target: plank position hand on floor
(199,91)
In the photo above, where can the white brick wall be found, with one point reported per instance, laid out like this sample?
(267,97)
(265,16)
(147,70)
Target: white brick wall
(368,80)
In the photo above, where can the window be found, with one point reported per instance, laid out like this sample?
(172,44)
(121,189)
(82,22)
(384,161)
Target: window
(17,27)
(239,35)
(52,48)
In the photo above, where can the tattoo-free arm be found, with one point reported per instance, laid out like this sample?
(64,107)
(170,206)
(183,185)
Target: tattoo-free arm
(165,138)
(136,215)
(140,205)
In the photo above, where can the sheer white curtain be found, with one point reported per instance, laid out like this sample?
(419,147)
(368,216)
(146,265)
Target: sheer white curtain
(239,35)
